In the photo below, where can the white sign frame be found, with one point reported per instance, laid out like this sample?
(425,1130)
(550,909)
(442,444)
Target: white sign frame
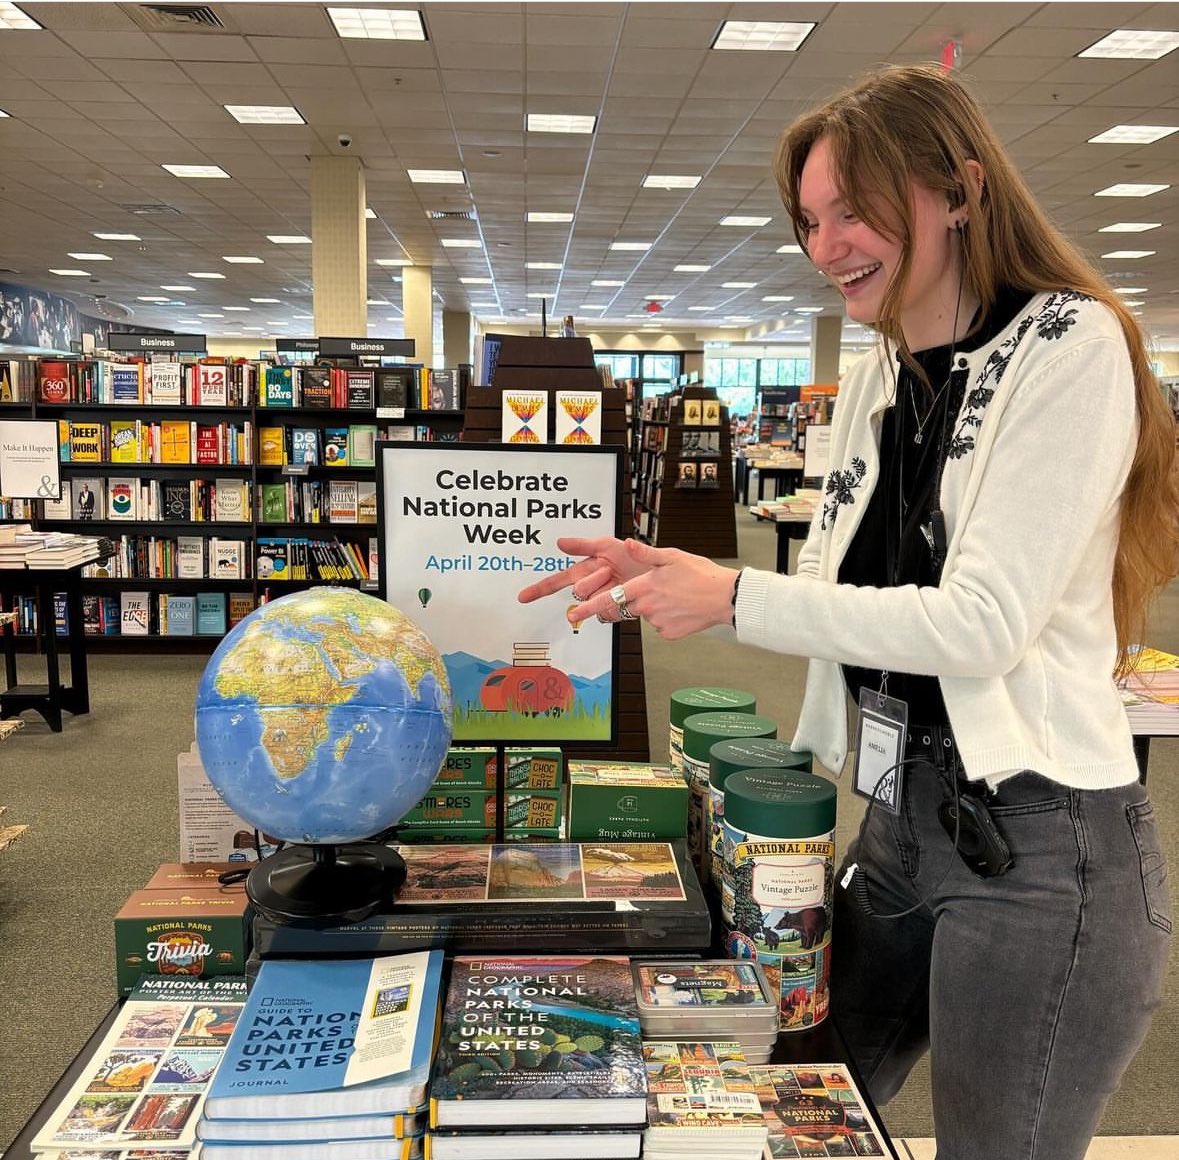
(456,570)
(30,459)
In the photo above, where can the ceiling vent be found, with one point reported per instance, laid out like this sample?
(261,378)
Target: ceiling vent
(152,209)
(451,215)
(178,18)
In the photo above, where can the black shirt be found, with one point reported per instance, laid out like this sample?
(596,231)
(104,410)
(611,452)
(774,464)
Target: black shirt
(890,548)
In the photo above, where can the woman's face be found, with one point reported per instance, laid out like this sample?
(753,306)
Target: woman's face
(860,262)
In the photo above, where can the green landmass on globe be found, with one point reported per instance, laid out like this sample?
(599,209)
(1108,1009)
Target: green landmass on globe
(324,716)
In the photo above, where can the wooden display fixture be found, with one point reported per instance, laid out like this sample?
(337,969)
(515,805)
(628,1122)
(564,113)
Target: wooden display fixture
(695,519)
(567,364)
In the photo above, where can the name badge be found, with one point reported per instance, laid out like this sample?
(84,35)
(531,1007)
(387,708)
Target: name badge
(880,748)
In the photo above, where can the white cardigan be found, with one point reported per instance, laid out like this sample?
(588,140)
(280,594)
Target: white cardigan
(1020,631)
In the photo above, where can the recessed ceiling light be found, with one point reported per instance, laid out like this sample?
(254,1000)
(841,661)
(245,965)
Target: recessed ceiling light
(544,294)
(590,306)
(1130,189)
(254,328)
(606,282)
(560,123)
(658,297)
(485,305)
(808,310)
(204,274)
(475,281)
(4,114)
(289,239)
(177,286)
(393,262)
(701,307)
(1130,289)
(462,243)
(1116,228)
(151,298)
(1133,134)
(689,268)
(738,317)
(13,17)
(91,257)
(542,265)
(189,321)
(210,316)
(778,298)
(377,302)
(1134,301)
(761,35)
(265,114)
(670,181)
(236,308)
(1129,254)
(370,213)
(1133,44)
(195,170)
(266,300)
(241,259)
(378,23)
(737,219)
(545,216)
(630,245)
(436,176)
(71,273)
(738,285)
(118,237)
(789,248)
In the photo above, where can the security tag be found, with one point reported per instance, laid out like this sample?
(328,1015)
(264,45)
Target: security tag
(880,748)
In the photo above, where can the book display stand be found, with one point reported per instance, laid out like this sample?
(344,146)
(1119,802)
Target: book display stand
(552,364)
(684,483)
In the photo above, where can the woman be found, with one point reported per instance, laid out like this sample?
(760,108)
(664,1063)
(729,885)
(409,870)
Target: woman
(1001,508)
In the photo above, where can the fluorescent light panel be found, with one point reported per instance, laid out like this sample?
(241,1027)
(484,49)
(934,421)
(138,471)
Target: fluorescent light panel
(91,257)
(177,286)
(475,281)
(118,237)
(737,219)
(606,282)
(761,36)
(1133,44)
(265,300)
(4,114)
(1115,228)
(1130,189)
(151,298)
(195,171)
(236,308)
(378,23)
(436,176)
(241,259)
(462,243)
(690,268)
(639,246)
(15,18)
(790,248)
(808,310)
(71,273)
(542,265)
(738,285)
(370,213)
(560,123)
(265,114)
(393,262)
(544,216)
(289,239)
(778,298)
(1133,134)
(1129,254)
(670,181)
(1130,289)
(204,274)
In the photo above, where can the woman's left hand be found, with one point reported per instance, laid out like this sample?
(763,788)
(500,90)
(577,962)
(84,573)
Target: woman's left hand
(678,593)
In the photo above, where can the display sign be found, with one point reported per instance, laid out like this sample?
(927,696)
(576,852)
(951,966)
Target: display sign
(296,345)
(30,463)
(134,343)
(463,527)
(357,347)
(817,453)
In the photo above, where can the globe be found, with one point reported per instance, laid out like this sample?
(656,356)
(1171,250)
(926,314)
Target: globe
(324,716)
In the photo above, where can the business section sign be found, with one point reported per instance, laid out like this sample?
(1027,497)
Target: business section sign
(465,526)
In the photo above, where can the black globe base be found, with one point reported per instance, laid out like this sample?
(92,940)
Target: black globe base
(323,884)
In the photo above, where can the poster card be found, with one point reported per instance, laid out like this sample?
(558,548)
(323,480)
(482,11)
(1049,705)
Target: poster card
(465,526)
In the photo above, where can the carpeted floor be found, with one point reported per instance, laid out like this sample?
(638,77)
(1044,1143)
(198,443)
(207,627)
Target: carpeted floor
(100,802)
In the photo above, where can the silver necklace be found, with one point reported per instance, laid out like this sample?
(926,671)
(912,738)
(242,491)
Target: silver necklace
(921,423)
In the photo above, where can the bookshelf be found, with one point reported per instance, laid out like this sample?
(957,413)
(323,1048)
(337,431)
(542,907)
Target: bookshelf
(684,478)
(552,364)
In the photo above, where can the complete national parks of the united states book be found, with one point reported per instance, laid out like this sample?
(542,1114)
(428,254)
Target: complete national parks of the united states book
(539,1040)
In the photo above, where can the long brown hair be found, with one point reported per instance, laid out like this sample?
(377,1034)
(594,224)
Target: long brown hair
(919,123)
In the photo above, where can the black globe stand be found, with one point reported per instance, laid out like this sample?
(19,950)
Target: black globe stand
(315,884)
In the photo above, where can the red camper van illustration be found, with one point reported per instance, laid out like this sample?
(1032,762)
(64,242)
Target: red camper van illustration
(529,684)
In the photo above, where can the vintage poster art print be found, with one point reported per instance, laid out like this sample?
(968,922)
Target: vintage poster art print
(465,526)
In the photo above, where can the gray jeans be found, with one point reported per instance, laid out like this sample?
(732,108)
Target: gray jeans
(1033,990)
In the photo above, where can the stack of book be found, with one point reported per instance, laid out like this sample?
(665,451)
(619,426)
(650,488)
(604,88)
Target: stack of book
(329,1060)
(539,1057)
(56,550)
(696,999)
(701,1101)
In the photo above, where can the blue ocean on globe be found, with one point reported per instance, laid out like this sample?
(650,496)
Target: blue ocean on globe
(324,716)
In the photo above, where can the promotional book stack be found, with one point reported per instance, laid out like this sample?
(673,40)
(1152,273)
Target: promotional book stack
(701,1101)
(539,1057)
(330,1060)
(703,1000)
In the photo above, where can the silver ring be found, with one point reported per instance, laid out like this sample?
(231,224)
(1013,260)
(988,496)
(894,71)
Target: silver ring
(626,613)
(603,619)
(618,595)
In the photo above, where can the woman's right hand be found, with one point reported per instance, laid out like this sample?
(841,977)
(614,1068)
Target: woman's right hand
(606,563)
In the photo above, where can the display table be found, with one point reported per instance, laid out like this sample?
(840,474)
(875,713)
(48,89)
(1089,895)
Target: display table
(51,698)
(785,471)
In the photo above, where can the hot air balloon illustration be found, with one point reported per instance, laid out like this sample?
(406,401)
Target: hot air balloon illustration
(575,625)
(424,595)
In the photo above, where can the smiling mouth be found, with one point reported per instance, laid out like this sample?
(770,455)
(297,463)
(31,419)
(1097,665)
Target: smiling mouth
(854,277)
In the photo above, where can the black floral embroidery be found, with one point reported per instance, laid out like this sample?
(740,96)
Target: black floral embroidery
(1053,321)
(840,485)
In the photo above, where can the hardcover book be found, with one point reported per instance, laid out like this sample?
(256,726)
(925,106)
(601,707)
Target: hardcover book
(279,387)
(167,383)
(524,417)
(394,388)
(342,501)
(366,502)
(578,417)
(362,445)
(304,445)
(208,444)
(124,441)
(212,384)
(519,1143)
(539,1040)
(270,446)
(230,504)
(358,386)
(177,496)
(374,1023)
(211,613)
(122,497)
(241,604)
(174,441)
(126,382)
(181,616)
(335,446)
(317,388)
(145,1084)
(815,1110)
(297,1138)
(227,559)
(444,391)
(62,508)
(89,499)
(627,897)
(53,382)
(134,613)
(85,443)
(190,557)
(274,503)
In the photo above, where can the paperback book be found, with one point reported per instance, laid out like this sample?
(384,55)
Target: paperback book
(373,1022)
(539,1040)
(145,1085)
